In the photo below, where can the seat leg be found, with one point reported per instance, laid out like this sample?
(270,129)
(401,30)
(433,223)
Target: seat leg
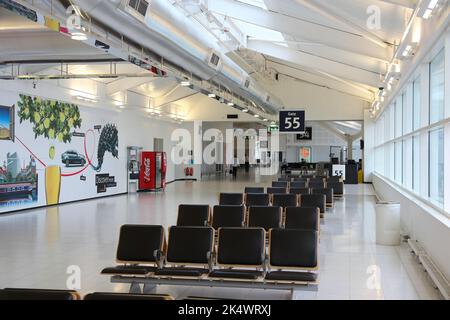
(148,288)
(291,294)
(135,288)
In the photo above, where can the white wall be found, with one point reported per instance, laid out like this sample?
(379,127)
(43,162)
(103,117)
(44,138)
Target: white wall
(320,144)
(318,102)
(133,128)
(420,222)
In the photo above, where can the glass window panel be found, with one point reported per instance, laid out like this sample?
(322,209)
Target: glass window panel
(398,162)
(436,165)
(437,81)
(416,164)
(416,104)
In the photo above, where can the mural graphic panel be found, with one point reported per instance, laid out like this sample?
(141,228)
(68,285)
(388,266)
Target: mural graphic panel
(56,149)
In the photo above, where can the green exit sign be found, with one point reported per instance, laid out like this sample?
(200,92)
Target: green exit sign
(274,128)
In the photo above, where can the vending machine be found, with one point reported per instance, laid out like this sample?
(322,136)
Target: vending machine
(152,175)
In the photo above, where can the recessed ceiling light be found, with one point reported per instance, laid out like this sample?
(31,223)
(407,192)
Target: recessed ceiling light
(256,115)
(185,83)
(211,95)
(245,111)
(79,36)
(231,104)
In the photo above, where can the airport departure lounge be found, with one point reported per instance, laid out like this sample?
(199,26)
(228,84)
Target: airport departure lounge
(224,150)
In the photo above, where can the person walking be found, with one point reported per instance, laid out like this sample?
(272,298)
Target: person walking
(284,166)
(247,164)
(235,167)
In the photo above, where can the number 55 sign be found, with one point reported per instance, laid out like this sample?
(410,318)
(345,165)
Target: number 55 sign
(292,121)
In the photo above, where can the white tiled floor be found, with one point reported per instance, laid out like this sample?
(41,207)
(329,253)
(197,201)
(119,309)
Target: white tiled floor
(37,246)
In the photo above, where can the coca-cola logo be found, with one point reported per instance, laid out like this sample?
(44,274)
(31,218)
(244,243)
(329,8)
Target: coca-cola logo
(147,170)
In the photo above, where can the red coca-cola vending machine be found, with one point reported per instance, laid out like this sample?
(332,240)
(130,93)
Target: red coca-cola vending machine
(152,175)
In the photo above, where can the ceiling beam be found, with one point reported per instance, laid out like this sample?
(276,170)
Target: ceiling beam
(410,4)
(341,17)
(125,84)
(317,63)
(326,81)
(300,28)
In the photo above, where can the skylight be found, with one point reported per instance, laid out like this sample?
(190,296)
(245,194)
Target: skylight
(256,3)
(260,33)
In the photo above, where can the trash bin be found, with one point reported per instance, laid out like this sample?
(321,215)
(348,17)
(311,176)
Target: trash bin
(388,223)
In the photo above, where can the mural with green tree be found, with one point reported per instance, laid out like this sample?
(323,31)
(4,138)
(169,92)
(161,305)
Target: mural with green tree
(51,119)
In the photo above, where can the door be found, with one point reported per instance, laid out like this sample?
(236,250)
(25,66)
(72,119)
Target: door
(158,145)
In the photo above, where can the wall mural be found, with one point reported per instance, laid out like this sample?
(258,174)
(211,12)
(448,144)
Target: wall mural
(55,147)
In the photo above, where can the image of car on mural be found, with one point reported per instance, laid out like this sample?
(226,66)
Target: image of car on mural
(73,158)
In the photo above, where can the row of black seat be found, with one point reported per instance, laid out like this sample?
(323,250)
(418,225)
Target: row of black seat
(318,200)
(24,294)
(240,254)
(294,178)
(281,187)
(267,217)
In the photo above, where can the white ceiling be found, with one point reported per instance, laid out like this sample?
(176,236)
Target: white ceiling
(321,37)
(317,42)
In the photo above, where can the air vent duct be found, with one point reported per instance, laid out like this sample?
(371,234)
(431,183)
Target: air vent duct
(140,6)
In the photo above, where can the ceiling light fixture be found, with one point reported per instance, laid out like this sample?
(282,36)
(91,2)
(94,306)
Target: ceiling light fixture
(429,9)
(86,99)
(256,115)
(185,83)
(211,95)
(231,104)
(79,36)
(245,111)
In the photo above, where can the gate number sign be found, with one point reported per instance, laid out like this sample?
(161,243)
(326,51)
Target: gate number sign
(292,121)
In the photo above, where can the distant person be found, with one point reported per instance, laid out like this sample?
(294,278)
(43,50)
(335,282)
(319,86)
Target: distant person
(247,164)
(235,167)
(284,166)
(304,166)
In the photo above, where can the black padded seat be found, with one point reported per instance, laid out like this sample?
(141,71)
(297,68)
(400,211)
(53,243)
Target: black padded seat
(38,294)
(314,201)
(300,191)
(328,192)
(285,200)
(280,184)
(241,247)
(264,217)
(275,190)
(236,274)
(254,190)
(228,217)
(139,249)
(338,188)
(191,215)
(257,199)
(129,270)
(291,276)
(301,179)
(284,179)
(293,248)
(181,272)
(317,184)
(334,179)
(190,245)
(231,199)
(299,184)
(105,296)
(302,218)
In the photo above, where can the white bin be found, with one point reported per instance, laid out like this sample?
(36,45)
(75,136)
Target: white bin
(388,223)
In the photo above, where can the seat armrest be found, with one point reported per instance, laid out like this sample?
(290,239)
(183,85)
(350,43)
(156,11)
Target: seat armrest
(159,258)
(211,258)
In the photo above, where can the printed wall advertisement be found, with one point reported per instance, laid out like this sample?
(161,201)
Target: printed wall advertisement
(54,152)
